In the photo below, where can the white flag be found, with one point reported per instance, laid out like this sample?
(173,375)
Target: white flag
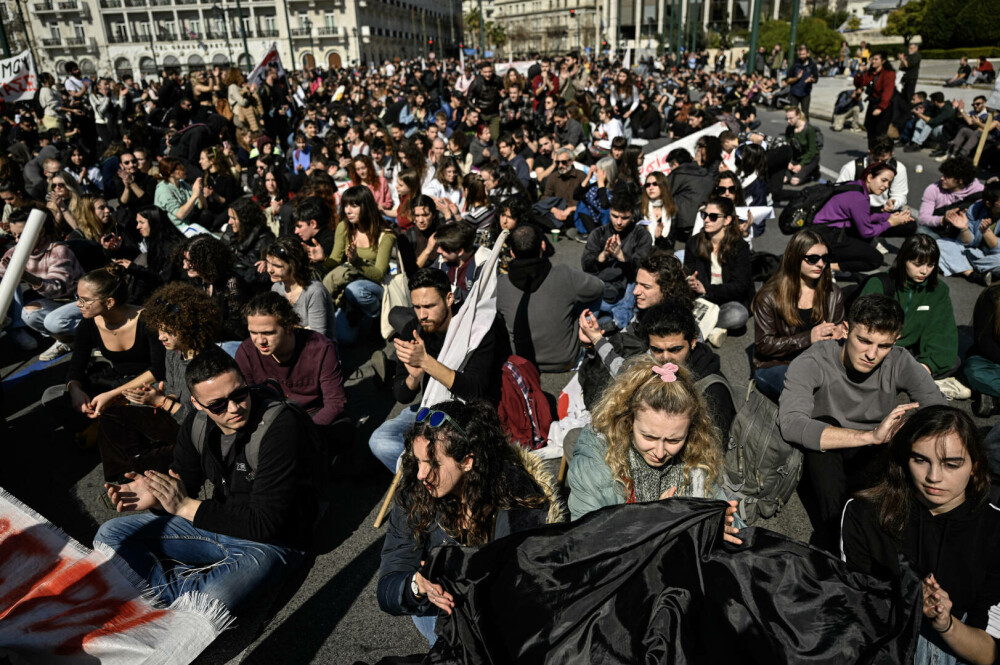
(271,57)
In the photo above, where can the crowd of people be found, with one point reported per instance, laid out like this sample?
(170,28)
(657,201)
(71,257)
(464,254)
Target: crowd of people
(210,245)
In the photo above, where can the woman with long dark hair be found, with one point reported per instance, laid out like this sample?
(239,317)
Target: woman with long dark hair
(220,187)
(797,307)
(272,195)
(658,209)
(248,235)
(717,261)
(461,482)
(931,508)
(359,261)
(408,188)
(154,266)
(929,330)
(417,245)
(288,267)
(362,172)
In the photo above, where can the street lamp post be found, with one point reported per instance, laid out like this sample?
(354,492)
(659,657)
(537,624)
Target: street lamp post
(482,30)
(221,13)
(312,45)
(754,36)
(795,26)
(243,31)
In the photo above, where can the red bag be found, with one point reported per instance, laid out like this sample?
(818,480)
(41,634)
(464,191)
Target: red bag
(525,414)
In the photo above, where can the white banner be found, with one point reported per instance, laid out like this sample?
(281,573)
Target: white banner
(657,160)
(271,57)
(17,78)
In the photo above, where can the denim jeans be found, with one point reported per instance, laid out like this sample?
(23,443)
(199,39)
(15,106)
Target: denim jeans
(923,131)
(623,309)
(174,557)
(46,316)
(386,442)
(771,381)
(426,627)
(366,296)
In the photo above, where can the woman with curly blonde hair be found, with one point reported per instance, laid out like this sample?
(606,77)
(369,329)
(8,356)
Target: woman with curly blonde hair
(651,438)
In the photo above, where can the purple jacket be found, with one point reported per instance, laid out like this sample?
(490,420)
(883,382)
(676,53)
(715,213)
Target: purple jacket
(935,197)
(853,210)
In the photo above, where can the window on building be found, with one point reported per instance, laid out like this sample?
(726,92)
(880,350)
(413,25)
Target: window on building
(303,20)
(194,27)
(329,19)
(144,29)
(54,30)
(270,24)
(170,28)
(78,30)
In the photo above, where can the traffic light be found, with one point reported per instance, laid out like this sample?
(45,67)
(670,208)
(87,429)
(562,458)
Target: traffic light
(572,13)
(430,42)
(604,44)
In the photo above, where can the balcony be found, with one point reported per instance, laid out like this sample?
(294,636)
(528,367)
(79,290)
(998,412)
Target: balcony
(267,33)
(111,4)
(135,3)
(42,7)
(76,41)
(301,32)
(52,42)
(329,31)
(160,3)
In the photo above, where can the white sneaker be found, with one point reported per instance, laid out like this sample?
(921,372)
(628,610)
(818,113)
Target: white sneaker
(952,388)
(54,351)
(717,337)
(24,340)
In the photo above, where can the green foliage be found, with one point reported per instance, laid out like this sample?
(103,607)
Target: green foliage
(715,40)
(938,26)
(496,34)
(834,19)
(979,22)
(907,21)
(813,32)
(853,23)
(955,53)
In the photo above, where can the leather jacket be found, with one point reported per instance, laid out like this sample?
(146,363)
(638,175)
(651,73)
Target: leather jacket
(775,341)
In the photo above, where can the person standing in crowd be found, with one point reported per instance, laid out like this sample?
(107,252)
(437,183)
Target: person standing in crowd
(880,82)
(801,77)
(909,64)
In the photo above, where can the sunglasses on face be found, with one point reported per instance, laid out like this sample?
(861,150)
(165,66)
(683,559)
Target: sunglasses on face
(651,184)
(436,419)
(713,216)
(813,259)
(124,163)
(722,189)
(563,162)
(219,406)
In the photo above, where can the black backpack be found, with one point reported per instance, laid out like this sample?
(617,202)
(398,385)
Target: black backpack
(801,210)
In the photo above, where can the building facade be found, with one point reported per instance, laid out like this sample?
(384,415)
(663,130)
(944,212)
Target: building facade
(144,37)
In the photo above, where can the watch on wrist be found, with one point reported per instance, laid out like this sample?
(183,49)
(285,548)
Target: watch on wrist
(414,588)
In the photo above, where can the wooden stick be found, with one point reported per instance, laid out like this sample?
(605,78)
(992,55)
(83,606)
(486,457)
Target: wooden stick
(982,139)
(388,498)
(562,470)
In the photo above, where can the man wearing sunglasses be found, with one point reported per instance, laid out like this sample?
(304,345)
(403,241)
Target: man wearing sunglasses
(839,403)
(562,185)
(417,347)
(133,189)
(253,529)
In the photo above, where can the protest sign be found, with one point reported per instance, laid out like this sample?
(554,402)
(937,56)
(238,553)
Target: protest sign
(17,78)
(657,160)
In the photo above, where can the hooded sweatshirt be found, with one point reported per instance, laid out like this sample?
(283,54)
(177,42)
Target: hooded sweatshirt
(935,197)
(538,302)
(959,547)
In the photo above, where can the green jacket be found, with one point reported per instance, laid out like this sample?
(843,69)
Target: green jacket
(929,330)
(590,483)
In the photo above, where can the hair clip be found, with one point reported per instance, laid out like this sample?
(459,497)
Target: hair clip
(667,372)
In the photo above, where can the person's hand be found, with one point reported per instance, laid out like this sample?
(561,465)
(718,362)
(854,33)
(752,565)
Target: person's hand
(300,167)
(986,224)
(314,251)
(891,423)
(889,206)
(791,166)
(937,604)
(411,354)
(957,218)
(275,206)
(877,112)
(590,329)
(899,218)
(80,401)
(617,249)
(148,395)
(669,493)
(167,489)
(131,496)
(796,168)
(435,593)
(486,152)
(351,252)
(602,177)
(124,263)
(441,204)
(197,187)
(695,284)
(822,331)
(261,266)
(103,401)
(432,242)
(745,226)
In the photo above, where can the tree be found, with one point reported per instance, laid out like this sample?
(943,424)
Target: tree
(496,34)
(979,23)
(472,20)
(812,32)
(907,21)
(938,25)
(853,24)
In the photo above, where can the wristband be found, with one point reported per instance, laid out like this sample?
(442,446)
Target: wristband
(951,620)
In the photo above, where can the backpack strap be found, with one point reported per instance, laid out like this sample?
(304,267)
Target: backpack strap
(199,432)
(705,382)
(859,167)
(536,435)
(252,451)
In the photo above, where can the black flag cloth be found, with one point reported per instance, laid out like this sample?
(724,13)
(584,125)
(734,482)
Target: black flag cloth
(655,583)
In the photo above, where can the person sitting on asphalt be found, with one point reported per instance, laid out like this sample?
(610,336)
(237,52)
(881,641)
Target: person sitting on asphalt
(931,119)
(288,266)
(847,224)
(929,331)
(690,185)
(804,165)
(957,185)
(881,150)
(607,130)
(961,76)
(303,362)
(461,483)
(256,523)
(839,403)
(459,258)
(797,307)
(417,347)
(539,300)
(972,125)
(975,252)
(671,333)
(562,184)
(717,261)
(982,365)
(613,253)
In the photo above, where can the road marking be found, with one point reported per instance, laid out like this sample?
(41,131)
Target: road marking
(829,172)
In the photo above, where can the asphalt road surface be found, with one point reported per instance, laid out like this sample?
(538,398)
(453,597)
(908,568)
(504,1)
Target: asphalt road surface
(329,614)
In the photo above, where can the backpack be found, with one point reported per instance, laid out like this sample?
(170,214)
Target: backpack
(525,414)
(819,137)
(762,469)
(801,210)
(318,456)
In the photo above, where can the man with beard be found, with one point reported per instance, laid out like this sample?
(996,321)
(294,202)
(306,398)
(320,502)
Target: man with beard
(562,184)
(417,348)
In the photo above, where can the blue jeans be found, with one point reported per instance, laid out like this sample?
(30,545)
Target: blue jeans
(771,381)
(175,558)
(386,442)
(923,131)
(46,316)
(623,309)
(366,296)
(426,627)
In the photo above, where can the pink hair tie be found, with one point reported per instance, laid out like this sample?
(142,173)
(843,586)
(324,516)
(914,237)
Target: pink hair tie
(667,372)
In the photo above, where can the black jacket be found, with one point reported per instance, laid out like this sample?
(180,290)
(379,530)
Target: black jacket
(266,504)
(247,253)
(690,185)
(636,245)
(737,280)
(702,362)
(959,547)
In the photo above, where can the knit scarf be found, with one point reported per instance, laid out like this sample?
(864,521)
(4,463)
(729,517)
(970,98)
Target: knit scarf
(651,482)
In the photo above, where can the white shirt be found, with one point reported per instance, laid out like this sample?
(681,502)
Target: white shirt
(607,132)
(898,189)
(73,84)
